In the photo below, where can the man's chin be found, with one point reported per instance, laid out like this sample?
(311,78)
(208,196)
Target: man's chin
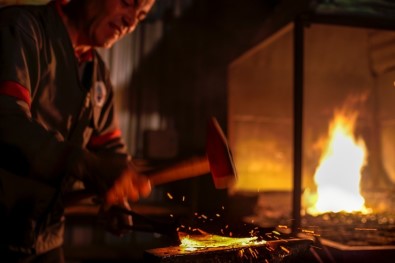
(108,44)
(105,43)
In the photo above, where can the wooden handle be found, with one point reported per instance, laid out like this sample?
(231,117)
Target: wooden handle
(187,169)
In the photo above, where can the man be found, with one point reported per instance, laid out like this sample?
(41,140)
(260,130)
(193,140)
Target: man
(57,121)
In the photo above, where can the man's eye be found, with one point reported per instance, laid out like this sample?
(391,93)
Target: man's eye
(127,3)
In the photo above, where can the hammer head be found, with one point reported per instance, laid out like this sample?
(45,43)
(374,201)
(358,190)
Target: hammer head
(219,156)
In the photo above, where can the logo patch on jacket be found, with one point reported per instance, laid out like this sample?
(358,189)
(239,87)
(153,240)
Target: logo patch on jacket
(100,93)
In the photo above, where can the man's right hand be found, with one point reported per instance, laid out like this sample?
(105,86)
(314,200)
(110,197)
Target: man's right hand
(115,179)
(129,185)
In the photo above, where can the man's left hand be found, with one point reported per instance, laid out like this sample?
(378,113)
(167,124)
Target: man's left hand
(116,222)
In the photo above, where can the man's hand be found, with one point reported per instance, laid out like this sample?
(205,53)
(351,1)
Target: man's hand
(115,221)
(130,185)
(114,178)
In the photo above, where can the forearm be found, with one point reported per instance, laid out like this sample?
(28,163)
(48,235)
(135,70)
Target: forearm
(28,149)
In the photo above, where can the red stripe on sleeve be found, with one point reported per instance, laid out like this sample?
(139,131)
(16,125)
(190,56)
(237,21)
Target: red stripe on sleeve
(14,89)
(96,141)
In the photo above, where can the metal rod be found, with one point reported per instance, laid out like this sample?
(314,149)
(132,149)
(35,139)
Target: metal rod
(298,46)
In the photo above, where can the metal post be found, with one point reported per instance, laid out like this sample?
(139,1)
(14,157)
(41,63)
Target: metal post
(298,122)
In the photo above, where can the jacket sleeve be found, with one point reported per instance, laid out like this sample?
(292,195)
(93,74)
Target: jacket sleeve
(26,147)
(107,136)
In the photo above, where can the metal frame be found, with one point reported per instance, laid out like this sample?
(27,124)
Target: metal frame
(300,22)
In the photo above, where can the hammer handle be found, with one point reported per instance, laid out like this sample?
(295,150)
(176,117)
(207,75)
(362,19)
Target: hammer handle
(187,169)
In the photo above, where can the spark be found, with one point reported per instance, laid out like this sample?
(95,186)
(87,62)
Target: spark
(270,249)
(286,250)
(253,252)
(307,231)
(316,247)
(170,196)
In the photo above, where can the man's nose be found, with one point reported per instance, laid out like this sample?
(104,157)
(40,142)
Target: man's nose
(129,22)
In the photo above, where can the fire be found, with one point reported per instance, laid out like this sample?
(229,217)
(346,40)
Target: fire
(206,240)
(338,174)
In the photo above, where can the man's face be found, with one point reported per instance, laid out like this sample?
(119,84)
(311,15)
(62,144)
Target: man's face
(110,20)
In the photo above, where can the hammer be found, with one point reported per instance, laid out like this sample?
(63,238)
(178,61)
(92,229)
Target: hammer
(218,161)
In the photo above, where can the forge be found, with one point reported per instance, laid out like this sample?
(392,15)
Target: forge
(311,125)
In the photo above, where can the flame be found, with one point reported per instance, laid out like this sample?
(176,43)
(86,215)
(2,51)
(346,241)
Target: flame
(338,174)
(205,240)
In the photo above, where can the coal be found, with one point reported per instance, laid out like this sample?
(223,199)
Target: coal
(353,237)
(353,229)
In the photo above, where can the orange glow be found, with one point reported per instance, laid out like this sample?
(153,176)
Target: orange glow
(205,240)
(338,174)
